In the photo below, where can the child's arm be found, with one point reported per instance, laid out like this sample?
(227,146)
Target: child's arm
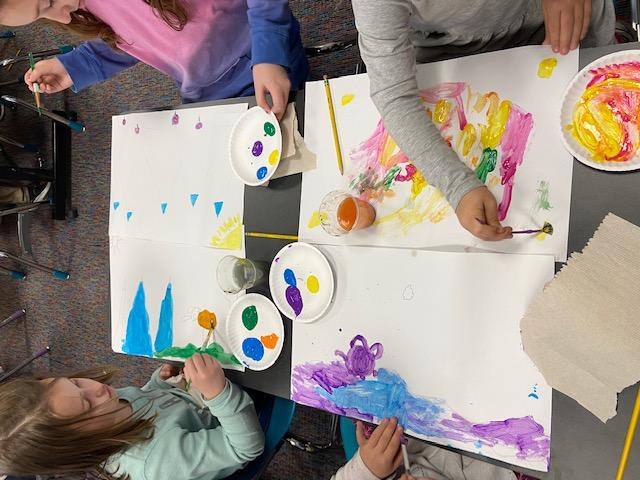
(94,62)
(159,376)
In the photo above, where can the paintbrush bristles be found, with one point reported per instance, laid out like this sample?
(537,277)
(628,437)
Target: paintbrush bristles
(547,228)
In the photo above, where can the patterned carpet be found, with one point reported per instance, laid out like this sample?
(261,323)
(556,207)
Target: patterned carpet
(73,316)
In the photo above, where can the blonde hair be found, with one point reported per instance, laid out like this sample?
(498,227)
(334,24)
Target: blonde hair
(33,441)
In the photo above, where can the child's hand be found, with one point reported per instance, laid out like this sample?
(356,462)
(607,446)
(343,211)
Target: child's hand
(381,452)
(478,213)
(168,370)
(206,374)
(566,22)
(273,79)
(50,75)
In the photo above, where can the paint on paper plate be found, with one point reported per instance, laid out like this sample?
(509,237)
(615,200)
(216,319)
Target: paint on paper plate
(292,292)
(605,118)
(253,347)
(229,234)
(352,386)
(490,135)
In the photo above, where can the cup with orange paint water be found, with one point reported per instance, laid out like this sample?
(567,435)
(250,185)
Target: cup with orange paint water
(341,213)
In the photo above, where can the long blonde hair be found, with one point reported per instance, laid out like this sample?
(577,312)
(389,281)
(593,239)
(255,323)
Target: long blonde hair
(88,26)
(33,441)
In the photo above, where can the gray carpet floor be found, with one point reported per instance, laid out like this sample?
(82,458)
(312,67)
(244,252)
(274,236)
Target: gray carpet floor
(73,316)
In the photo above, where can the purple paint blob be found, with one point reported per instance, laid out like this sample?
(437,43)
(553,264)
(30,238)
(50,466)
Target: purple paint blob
(256,150)
(137,129)
(261,173)
(294,299)
(199,124)
(360,360)
(175,119)
(124,121)
(252,348)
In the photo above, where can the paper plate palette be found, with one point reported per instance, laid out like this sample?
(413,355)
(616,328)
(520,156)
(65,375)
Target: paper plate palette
(599,116)
(254,331)
(301,282)
(255,146)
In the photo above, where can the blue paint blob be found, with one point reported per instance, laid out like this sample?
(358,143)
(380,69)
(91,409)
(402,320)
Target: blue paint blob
(290,277)
(137,340)
(533,395)
(164,336)
(194,198)
(116,205)
(218,207)
(129,215)
(163,207)
(257,148)
(252,348)
(478,444)
(262,172)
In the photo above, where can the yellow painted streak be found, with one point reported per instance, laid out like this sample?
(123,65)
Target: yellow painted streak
(492,98)
(418,182)
(442,111)
(388,150)
(229,234)
(541,236)
(316,219)
(546,67)
(347,99)
(492,133)
(469,138)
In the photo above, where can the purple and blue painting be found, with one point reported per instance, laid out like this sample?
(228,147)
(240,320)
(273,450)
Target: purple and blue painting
(352,386)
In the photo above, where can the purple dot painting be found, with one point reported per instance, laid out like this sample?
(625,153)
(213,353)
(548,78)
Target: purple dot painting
(256,150)
(252,348)
(199,124)
(262,172)
(294,299)
(137,129)
(175,120)
(124,121)
(351,385)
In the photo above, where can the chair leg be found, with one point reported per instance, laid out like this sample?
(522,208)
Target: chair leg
(311,447)
(13,317)
(58,274)
(26,362)
(15,274)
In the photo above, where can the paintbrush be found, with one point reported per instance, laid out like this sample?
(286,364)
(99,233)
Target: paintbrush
(334,126)
(209,321)
(546,228)
(77,126)
(35,86)
(405,458)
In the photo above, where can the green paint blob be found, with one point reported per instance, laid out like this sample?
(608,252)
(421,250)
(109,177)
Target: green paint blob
(214,349)
(269,129)
(487,164)
(250,317)
(543,196)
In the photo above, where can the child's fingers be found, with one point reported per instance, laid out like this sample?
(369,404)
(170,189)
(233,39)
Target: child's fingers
(586,19)
(566,30)
(398,460)
(360,438)
(387,434)
(198,363)
(552,26)
(279,97)
(393,447)
(377,433)
(261,99)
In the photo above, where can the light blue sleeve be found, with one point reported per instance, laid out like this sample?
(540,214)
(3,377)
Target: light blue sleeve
(93,62)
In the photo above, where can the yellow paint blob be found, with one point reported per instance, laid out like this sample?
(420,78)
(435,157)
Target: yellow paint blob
(207,319)
(347,99)
(316,219)
(492,133)
(229,234)
(442,111)
(546,67)
(418,182)
(468,138)
(274,157)
(492,98)
(313,285)
(541,236)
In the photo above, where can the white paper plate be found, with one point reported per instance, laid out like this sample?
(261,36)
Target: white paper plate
(252,325)
(255,146)
(571,97)
(301,278)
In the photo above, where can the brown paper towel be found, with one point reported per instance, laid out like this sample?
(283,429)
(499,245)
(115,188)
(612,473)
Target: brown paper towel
(295,156)
(583,331)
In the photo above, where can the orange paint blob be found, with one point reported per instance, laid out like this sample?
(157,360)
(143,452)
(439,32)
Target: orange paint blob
(270,341)
(207,319)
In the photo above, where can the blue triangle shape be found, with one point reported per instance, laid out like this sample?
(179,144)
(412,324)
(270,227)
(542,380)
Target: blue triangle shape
(116,205)
(194,199)
(218,207)
(129,214)
(163,207)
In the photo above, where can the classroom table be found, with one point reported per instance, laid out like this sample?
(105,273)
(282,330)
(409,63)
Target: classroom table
(582,447)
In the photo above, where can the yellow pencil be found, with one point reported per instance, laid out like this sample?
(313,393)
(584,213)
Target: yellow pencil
(277,236)
(334,127)
(631,431)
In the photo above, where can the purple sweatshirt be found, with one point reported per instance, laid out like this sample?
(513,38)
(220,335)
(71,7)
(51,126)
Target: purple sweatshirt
(210,58)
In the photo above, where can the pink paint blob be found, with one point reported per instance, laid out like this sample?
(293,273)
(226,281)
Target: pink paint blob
(124,121)
(199,124)
(175,119)
(137,129)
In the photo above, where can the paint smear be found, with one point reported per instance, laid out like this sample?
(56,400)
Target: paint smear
(261,173)
(137,340)
(270,341)
(253,349)
(116,205)
(546,67)
(163,207)
(313,285)
(257,148)
(199,124)
(229,234)
(129,215)
(294,299)
(207,319)
(175,119)
(214,349)
(542,199)
(164,336)
(250,317)
(347,99)
(316,219)
(274,156)
(269,129)
(290,277)
(487,164)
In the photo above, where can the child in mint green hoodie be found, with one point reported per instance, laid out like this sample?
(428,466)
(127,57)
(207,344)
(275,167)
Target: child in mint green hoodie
(75,424)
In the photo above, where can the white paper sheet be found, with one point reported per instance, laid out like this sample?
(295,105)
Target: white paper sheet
(448,324)
(171,179)
(177,282)
(542,182)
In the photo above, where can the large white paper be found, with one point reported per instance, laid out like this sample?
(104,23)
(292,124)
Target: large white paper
(410,213)
(158,290)
(171,179)
(431,338)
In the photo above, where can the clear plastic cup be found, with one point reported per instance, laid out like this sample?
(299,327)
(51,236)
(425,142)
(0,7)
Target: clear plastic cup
(341,213)
(236,274)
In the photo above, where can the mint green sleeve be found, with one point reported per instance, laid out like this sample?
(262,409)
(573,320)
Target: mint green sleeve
(210,453)
(155,382)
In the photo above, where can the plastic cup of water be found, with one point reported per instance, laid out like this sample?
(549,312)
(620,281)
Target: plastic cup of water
(236,274)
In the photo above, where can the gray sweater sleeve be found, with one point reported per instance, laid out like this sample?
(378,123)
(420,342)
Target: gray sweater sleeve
(386,48)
